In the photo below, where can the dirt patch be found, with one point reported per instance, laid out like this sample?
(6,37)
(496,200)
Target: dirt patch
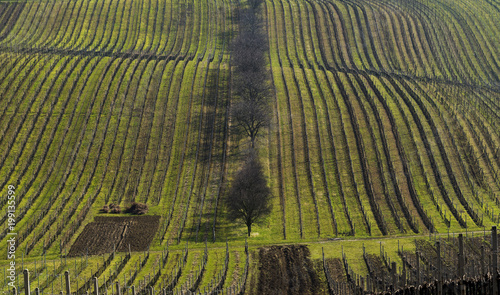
(286,270)
(378,270)
(107,233)
(336,269)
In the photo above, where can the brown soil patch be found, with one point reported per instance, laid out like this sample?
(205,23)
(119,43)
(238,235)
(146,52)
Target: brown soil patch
(286,270)
(336,269)
(107,233)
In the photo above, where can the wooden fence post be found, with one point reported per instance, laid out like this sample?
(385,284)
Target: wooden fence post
(439,270)
(26,282)
(133,290)
(461,262)
(68,287)
(417,254)
(393,274)
(483,271)
(37,291)
(494,250)
(403,275)
(96,286)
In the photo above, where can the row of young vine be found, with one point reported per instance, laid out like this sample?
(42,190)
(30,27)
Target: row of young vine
(407,152)
(94,115)
(199,272)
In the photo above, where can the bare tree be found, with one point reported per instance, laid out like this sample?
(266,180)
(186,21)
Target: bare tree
(248,50)
(249,198)
(250,112)
(249,46)
(251,117)
(252,86)
(254,4)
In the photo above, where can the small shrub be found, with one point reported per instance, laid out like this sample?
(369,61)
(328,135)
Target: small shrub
(105,209)
(114,208)
(137,208)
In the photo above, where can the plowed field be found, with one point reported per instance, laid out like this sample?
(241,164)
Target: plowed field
(106,233)
(286,270)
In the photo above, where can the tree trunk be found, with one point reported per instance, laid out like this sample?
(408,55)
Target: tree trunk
(249,226)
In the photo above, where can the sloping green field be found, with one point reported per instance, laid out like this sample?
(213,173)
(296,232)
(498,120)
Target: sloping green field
(387,114)
(386,122)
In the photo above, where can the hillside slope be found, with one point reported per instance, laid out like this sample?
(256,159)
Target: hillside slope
(385,116)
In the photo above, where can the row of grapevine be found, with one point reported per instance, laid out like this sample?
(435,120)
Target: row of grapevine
(98,98)
(169,272)
(450,264)
(405,172)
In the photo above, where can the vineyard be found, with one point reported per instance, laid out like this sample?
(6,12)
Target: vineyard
(416,266)
(466,264)
(386,116)
(385,121)
(208,271)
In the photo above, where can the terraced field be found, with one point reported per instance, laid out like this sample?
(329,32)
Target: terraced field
(385,121)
